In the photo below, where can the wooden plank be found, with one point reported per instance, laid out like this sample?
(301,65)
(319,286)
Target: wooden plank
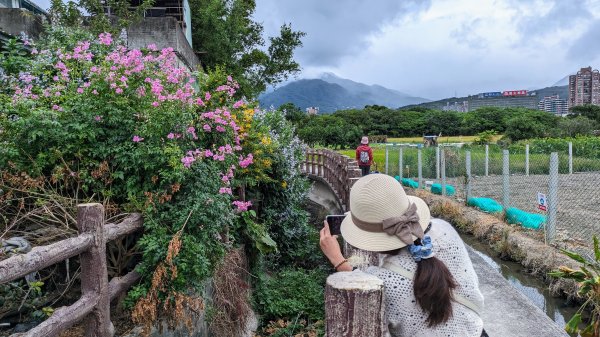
(43,256)
(94,276)
(120,284)
(62,318)
(130,224)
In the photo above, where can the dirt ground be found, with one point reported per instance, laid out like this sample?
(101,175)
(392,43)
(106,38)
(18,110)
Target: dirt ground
(578,214)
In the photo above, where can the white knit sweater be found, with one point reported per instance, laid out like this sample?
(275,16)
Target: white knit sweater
(405,316)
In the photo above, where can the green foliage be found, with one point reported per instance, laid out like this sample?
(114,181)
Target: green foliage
(535,124)
(228,37)
(297,327)
(156,140)
(575,127)
(74,14)
(485,137)
(588,278)
(587,110)
(344,128)
(291,292)
(587,147)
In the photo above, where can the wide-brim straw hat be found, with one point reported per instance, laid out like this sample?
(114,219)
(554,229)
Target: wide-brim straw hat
(374,198)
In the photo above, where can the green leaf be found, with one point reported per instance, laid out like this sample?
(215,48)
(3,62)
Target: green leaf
(573,325)
(574,256)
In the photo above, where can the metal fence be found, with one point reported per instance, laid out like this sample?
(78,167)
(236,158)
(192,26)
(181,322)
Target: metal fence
(515,178)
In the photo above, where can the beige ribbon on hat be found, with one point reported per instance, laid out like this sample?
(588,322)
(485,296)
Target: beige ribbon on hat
(403,226)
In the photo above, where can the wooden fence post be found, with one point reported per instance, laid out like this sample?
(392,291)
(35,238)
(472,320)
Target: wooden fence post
(354,305)
(94,276)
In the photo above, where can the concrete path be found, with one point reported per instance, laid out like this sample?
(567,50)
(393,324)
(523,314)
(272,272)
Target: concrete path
(507,312)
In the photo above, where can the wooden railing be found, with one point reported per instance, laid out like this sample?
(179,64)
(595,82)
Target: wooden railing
(338,170)
(96,291)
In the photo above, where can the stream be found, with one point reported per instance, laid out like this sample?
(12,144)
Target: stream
(558,309)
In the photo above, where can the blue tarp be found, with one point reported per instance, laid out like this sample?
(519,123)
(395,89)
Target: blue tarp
(407,182)
(485,204)
(437,189)
(527,220)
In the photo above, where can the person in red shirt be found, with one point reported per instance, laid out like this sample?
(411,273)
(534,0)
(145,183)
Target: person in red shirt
(364,156)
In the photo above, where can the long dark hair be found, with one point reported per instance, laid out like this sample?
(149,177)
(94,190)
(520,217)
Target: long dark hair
(433,285)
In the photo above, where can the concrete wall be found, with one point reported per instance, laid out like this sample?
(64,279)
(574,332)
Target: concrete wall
(13,21)
(164,32)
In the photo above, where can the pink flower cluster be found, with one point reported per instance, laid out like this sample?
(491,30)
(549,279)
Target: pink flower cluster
(105,39)
(245,162)
(242,205)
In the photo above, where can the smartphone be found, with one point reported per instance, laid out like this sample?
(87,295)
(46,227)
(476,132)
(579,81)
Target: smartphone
(335,222)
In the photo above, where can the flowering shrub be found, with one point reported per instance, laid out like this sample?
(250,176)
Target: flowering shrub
(138,132)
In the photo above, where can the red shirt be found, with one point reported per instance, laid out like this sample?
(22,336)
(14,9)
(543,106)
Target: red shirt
(362,148)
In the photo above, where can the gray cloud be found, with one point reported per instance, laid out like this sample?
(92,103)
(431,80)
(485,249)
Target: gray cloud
(562,14)
(335,29)
(467,34)
(586,47)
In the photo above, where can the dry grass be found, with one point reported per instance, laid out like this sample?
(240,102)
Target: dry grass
(508,241)
(231,296)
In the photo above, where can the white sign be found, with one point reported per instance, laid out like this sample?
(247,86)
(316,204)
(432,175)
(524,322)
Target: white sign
(542,201)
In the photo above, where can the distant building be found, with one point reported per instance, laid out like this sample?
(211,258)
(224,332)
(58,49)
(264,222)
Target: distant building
(456,106)
(20,17)
(23,4)
(312,110)
(554,104)
(584,87)
(505,101)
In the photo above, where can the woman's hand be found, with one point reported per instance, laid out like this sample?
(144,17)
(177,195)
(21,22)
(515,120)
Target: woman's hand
(331,248)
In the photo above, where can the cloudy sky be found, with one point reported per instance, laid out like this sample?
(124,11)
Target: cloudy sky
(439,48)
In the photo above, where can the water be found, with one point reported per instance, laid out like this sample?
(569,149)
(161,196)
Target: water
(558,309)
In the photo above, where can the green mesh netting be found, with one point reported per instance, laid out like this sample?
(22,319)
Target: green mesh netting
(485,204)
(437,189)
(407,182)
(527,220)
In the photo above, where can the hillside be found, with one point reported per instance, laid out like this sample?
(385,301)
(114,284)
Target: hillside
(331,93)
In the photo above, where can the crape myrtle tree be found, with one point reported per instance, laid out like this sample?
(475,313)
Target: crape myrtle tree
(226,36)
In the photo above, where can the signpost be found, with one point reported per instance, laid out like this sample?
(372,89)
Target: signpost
(542,202)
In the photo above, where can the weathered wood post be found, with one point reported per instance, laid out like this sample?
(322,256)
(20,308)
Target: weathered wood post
(354,305)
(319,163)
(94,276)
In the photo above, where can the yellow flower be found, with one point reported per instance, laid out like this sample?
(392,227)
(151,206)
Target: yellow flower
(284,184)
(266,140)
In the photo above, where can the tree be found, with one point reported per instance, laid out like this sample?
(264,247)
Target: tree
(533,124)
(587,110)
(225,34)
(572,127)
(92,12)
(293,113)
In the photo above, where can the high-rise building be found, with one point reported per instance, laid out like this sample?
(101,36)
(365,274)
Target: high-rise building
(312,110)
(584,87)
(554,104)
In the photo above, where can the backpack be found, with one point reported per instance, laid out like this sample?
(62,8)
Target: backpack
(364,157)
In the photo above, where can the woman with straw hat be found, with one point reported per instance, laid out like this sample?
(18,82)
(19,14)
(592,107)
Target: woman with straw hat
(431,288)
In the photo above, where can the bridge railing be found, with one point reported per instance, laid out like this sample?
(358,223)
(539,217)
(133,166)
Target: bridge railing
(338,170)
(96,291)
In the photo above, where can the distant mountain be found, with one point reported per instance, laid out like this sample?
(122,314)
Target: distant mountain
(563,81)
(331,93)
(561,90)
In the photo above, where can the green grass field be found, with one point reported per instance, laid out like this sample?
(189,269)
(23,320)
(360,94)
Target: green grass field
(456,161)
(449,139)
